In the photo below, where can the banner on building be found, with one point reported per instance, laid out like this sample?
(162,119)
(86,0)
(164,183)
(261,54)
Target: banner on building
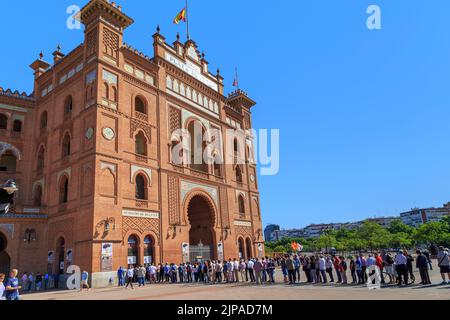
(220,251)
(51,256)
(185,251)
(107,257)
(69,256)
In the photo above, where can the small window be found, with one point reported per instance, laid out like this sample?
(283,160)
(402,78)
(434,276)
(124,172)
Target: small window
(238,174)
(141,188)
(139,105)
(66,146)
(64,190)
(3,122)
(44,120)
(68,105)
(241,204)
(141,144)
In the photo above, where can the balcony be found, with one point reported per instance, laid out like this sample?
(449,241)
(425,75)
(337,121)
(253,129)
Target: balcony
(141,116)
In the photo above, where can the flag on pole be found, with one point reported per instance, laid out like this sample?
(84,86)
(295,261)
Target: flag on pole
(180,17)
(236,80)
(297,247)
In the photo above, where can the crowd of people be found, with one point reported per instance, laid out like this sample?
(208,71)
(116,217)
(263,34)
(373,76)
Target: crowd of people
(316,269)
(395,268)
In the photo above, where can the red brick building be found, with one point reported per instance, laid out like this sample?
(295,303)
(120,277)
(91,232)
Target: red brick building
(90,151)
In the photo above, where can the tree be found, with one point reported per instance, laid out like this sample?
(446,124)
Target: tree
(397,226)
(432,233)
(400,240)
(374,235)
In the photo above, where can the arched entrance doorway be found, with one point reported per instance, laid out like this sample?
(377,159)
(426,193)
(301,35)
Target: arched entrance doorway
(5,260)
(201,235)
(149,257)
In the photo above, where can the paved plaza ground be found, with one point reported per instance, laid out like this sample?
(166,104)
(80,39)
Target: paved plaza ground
(245,291)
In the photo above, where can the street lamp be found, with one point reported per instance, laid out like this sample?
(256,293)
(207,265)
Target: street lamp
(7,192)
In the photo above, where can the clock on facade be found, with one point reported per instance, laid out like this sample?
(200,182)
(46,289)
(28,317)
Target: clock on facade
(108,133)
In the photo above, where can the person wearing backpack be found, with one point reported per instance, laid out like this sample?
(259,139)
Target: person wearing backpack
(444,264)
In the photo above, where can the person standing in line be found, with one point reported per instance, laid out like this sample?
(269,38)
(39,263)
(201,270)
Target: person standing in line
(422,265)
(313,269)
(25,281)
(323,268)
(400,268)
(363,267)
(358,265)
(2,286)
(353,269)
(120,276)
(388,262)
(230,270)
(46,280)
(251,271)
(30,282)
(379,262)
(371,261)
(189,272)
(307,269)
(297,264)
(343,269)
(130,276)
(290,269)
(409,265)
(181,273)
(12,286)
(56,280)
(318,274)
(284,269)
(271,270)
(236,270)
(444,264)
(336,263)
(264,270)
(329,268)
(246,270)
(426,253)
(38,282)
(257,266)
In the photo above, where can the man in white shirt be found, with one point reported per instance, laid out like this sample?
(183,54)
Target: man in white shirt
(130,275)
(323,268)
(444,264)
(400,267)
(230,269)
(250,265)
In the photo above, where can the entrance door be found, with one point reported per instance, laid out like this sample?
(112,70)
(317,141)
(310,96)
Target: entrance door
(200,252)
(5,261)
(201,235)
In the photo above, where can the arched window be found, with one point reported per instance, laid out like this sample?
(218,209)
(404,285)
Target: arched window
(3,122)
(238,174)
(141,187)
(44,120)
(41,159)
(17,126)
(37,198)
(114,94)
(241,203)
(66,146)
(198,146)
(8,162)
(64,190)
(106,90)
(68,105)
(217,169)
(133,250)
(141,144)
(235,148)
(139,105)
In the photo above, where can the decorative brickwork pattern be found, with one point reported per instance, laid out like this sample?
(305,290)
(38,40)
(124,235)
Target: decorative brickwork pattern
(142,225)
(110,43)
(91,42)
(174,120)
(135,125)
(224,207)
(174,207)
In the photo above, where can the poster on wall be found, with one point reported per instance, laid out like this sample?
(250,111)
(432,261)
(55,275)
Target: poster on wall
(69,255)
(260,249)
(185,251)
(148,260)
(220,251)
(51,257)
(132,260)
(107,257)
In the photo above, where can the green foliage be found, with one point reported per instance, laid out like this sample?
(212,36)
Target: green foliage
(372,236)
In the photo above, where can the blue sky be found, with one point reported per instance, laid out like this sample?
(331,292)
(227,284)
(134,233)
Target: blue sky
(364,115)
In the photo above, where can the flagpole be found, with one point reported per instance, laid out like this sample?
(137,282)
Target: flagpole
(187,21)
(237,79)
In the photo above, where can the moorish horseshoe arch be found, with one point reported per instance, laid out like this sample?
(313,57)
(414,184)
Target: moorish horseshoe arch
(205,195)
(4,147)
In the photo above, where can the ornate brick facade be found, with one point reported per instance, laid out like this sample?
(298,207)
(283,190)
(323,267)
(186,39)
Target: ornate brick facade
(92,158)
